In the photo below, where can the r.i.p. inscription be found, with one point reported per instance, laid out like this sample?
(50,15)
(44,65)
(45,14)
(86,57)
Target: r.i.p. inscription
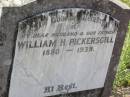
(62,51)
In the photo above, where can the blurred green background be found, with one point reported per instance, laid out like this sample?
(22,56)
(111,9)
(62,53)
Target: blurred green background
(126,1)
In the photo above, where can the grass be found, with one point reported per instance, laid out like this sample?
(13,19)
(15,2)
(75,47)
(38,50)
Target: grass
(123,73)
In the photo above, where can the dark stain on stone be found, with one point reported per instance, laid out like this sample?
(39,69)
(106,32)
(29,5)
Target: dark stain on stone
(105,18)
(56,13)
(36,22)
(116,24)
(39,22)
(111,19)
(43,17)
(2,38)
(69,13)
(29,22)
(93,13)
(105,23)
(31,25)
(23,27)
(79,15)
(53,13)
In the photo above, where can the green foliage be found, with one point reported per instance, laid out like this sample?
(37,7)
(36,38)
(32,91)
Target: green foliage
(123,73)
(126,1)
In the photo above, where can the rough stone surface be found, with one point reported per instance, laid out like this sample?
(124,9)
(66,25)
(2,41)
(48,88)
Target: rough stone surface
(8,30)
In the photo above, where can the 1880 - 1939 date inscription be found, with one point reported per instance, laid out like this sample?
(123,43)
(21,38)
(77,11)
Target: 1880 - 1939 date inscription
(65,50)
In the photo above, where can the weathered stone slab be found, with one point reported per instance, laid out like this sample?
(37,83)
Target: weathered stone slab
(11,17)
(62,51)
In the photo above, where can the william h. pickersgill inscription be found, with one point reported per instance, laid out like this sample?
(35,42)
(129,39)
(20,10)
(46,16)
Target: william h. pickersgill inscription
(62,51)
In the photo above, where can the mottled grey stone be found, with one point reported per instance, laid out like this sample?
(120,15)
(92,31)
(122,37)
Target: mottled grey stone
(12,15)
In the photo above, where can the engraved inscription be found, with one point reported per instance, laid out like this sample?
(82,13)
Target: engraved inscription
(62,51)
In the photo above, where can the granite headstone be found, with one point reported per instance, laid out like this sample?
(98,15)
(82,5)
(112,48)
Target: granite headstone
(61,48)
